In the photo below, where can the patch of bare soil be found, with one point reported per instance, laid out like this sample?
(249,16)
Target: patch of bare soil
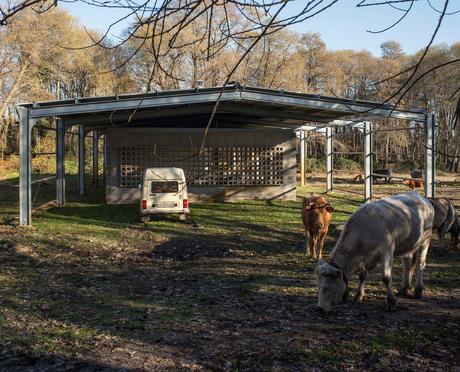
(186,249)
(18,362)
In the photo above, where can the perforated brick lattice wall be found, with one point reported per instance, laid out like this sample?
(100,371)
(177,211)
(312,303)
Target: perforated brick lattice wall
(215,166)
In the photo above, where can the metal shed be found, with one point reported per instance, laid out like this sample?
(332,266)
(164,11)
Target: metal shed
(239,107)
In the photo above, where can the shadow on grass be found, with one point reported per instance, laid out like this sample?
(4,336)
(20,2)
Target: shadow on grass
(172,306)
(231,285)
(212,230)
(17,360)
(42,193)
(204,308)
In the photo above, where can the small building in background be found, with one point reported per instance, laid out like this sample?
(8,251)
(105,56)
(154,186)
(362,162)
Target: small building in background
(234,164)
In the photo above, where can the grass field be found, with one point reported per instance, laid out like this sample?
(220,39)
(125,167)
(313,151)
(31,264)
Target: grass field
(89,286)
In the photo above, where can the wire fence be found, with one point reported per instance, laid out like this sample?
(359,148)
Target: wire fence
(398,166)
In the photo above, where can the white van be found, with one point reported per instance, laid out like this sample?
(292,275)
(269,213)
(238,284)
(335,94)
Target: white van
(164,190)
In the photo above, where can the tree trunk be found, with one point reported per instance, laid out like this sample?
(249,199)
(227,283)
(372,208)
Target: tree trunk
(387,148)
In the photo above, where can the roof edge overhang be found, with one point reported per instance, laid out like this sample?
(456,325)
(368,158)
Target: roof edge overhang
(301,102)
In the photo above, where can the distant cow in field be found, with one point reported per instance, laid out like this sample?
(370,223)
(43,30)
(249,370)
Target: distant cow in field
(384,174)
(359,178)
(316,217)
(416,180)
(414,184)
(376,233)
(416,173)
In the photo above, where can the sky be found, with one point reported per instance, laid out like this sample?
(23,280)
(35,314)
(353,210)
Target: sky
(343,26)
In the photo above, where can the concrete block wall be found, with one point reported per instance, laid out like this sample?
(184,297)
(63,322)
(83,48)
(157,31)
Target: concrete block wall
(118,137)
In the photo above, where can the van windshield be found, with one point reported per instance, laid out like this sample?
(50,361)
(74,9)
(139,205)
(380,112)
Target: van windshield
(159,187)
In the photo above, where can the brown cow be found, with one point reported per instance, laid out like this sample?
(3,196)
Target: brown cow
(358,179)
(316,216)
(414,183)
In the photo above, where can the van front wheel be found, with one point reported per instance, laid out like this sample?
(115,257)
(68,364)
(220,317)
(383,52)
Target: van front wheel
(145,219)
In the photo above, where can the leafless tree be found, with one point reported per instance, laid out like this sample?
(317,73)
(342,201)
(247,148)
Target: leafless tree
(161,23)
(166,27)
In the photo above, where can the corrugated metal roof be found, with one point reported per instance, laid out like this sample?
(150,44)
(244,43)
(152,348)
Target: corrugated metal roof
(255,103)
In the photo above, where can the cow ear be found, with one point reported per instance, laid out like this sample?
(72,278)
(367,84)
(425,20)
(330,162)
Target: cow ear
(329,208)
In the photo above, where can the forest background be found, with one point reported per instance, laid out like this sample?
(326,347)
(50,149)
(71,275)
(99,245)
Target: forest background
(43,57)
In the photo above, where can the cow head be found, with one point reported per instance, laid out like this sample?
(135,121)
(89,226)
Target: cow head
(332,286)
(445,217)
(316,208)
(358,178)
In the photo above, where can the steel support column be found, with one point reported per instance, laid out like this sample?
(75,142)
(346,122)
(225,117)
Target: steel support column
(430,155)
(60,157)
(329,159)
(25,166)
(368,160)
(81,159)
(95,154)
(302,158)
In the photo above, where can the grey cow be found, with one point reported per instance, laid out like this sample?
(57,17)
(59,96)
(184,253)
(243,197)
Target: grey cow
(445,218)
(455,232)
(377,232)
(445,221)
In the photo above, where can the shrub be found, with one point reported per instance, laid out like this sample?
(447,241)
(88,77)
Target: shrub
(347,164)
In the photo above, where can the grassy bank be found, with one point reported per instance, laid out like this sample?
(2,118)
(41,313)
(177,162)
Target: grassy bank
(89,286)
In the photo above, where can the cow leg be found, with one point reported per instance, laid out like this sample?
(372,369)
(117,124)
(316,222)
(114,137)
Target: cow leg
(420,267)
(315,246)
(307,244)
(321,244)
(387,280)
(312,246)
(407,275)
(412,267)
(360,292)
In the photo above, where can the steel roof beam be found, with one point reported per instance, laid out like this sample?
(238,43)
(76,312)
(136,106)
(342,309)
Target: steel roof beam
(334,108)
(83,108)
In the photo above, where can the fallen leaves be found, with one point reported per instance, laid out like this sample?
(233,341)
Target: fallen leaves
(195,299)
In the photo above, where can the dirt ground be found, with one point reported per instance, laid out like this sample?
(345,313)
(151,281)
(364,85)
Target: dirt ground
(91,288)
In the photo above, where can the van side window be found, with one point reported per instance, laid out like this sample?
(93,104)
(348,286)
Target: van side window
(159,187)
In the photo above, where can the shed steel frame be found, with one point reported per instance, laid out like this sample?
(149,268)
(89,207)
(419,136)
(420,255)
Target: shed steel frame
(365,127)
(238,107)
